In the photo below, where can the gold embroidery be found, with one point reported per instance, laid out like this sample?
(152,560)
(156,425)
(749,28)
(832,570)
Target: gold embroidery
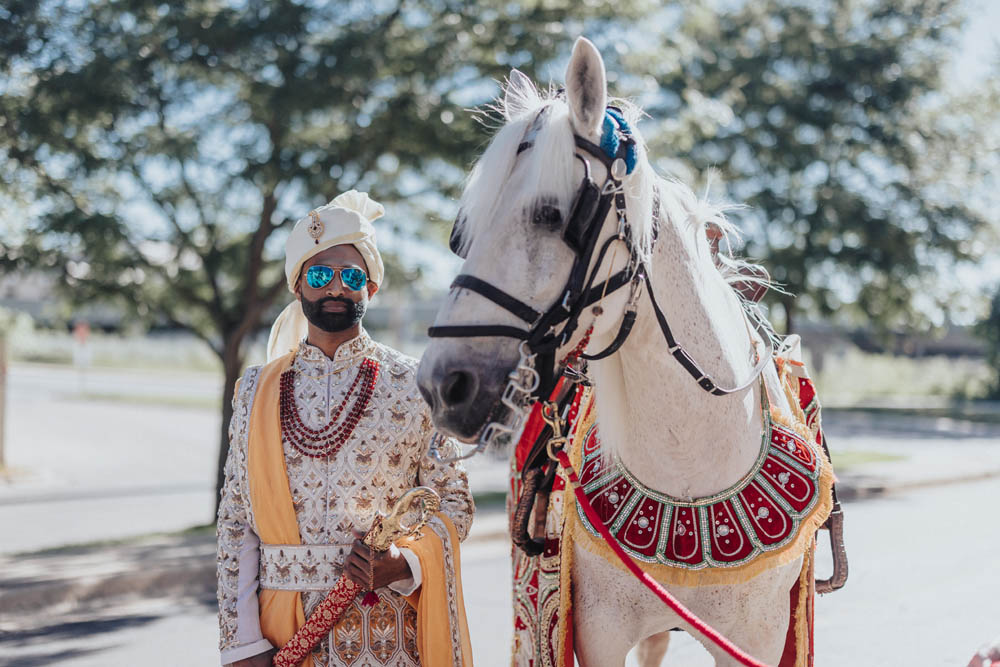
(347,639)
(410,633)
(382,631)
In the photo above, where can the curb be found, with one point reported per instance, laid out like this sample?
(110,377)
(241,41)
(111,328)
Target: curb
(51,580)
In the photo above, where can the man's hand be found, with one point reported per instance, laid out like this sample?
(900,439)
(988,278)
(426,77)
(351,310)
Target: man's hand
(371,569)
(259,660)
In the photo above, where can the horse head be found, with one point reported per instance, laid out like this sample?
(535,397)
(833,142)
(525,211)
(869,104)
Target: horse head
(539,229)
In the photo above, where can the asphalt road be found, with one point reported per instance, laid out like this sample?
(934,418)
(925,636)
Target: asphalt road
(87,470)
(923,590)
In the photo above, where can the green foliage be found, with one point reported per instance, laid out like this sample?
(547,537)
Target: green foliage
(829,120)
(166,145)
(989,330)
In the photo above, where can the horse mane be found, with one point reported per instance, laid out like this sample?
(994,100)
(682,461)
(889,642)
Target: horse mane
(517,107)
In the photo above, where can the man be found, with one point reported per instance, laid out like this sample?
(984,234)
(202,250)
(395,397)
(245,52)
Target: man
(330,431)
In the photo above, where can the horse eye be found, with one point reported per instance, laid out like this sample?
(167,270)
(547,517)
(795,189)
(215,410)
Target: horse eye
(547,216)
(455,240)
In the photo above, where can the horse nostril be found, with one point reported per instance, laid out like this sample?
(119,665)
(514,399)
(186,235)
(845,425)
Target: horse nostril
(457,388)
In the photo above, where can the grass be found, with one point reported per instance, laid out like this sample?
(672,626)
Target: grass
(847,459)
(490,499)
(983,412)
(846,376)
(850,377)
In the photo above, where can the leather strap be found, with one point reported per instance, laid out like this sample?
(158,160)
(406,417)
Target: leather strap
(623,332)
(497,296)
(689,364)
(477,331)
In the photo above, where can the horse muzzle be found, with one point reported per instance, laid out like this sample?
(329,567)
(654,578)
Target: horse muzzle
(463,383)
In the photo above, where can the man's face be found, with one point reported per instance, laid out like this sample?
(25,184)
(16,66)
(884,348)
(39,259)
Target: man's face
(335,307)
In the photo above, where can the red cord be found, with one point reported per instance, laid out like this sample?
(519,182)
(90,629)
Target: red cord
(647,580)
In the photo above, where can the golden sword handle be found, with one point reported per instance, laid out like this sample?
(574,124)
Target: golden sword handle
(408,516)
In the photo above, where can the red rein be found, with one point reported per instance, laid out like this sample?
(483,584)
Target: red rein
(648,581)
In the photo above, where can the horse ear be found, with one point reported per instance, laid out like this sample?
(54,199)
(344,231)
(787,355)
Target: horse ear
(519,90)
(586,88)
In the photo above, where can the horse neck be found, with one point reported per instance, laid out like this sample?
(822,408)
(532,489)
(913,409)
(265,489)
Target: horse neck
(671,434)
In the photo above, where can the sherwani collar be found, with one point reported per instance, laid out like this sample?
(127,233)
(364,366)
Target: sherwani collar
(350,352)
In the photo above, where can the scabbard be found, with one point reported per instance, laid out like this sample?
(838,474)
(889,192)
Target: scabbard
(318,625)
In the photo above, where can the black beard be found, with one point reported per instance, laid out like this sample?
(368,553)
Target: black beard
(333,322)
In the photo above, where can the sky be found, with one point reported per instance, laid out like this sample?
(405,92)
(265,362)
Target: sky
(979,42)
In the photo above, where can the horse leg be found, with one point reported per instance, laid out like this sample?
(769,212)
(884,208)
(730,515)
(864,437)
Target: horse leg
(607,622)
(757,621)
(652,649)
(601,649)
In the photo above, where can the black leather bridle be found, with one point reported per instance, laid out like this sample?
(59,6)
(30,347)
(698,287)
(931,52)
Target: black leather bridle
(551,329)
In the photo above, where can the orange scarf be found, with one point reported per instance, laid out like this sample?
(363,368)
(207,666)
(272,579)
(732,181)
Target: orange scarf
(281,612)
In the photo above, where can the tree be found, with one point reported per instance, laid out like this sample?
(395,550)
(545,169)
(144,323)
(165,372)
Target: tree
(164,148)
(829,120)
(988,329)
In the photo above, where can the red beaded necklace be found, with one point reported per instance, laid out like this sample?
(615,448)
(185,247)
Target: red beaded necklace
(327,441)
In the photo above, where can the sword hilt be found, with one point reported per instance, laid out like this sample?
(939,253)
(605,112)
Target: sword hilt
(422,501)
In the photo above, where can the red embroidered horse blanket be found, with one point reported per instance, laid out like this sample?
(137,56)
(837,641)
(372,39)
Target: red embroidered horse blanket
(768,518)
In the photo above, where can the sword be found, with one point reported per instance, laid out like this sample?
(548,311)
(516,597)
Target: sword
(420,503)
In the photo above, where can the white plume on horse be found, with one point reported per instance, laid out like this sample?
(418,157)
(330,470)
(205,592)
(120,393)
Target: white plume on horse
(673,436)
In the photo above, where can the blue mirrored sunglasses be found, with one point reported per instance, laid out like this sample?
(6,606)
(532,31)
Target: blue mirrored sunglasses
(318,276)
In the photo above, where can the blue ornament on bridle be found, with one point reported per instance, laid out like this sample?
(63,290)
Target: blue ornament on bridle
(614,129)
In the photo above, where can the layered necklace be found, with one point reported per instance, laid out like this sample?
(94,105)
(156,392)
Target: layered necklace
(327,441)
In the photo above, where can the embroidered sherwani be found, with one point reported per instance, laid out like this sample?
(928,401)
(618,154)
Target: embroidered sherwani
(385,456)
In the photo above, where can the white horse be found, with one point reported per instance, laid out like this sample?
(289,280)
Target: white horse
(672,435)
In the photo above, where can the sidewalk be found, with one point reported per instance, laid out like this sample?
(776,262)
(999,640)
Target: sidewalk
(69,593)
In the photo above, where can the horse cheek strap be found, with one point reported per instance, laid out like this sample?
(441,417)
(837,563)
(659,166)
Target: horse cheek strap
(580,216)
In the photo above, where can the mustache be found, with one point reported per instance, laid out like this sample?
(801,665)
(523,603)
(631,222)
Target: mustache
(334,299)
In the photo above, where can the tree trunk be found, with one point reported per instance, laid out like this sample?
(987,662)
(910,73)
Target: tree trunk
(232,364)
(788,305)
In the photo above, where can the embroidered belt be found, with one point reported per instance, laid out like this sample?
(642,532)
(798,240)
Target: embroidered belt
(309,567)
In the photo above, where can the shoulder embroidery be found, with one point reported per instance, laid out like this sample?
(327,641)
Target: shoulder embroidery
(244,405)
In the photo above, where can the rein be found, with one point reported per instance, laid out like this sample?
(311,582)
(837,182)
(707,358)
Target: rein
(556,451)
(663,594)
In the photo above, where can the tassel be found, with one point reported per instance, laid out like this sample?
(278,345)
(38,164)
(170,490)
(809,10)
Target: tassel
(370,599)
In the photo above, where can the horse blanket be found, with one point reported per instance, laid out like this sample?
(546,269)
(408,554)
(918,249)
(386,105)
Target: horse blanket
(769,518)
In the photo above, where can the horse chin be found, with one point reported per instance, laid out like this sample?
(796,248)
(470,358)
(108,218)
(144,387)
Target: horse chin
(465,426)
(463,385)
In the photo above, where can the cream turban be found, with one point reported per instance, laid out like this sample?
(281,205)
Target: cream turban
(346,219)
